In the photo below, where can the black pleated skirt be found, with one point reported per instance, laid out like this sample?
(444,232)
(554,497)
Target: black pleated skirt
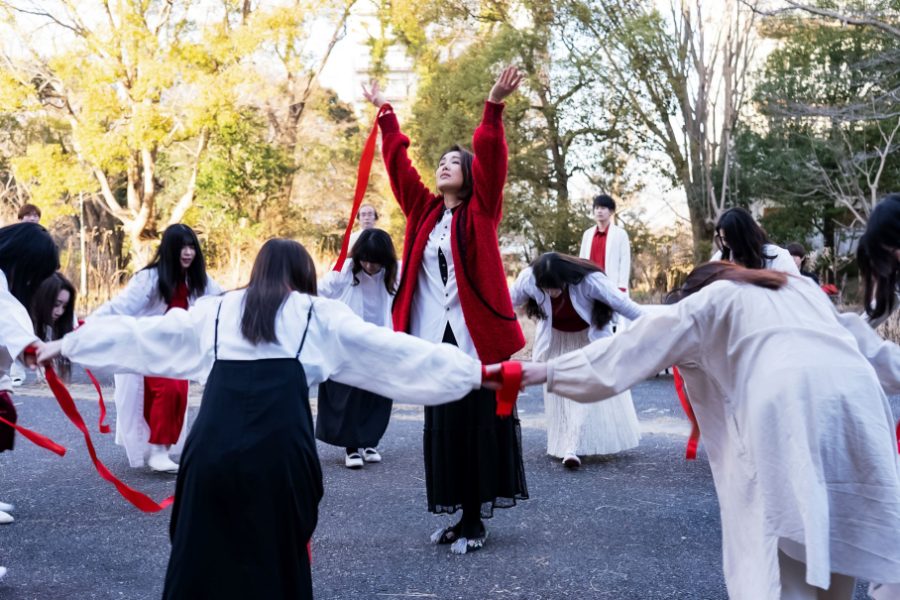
(472,456)
(351,417)
(248,490)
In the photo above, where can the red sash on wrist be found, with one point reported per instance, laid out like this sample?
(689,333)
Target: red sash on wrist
(362,182)
(510,379)
(694,439)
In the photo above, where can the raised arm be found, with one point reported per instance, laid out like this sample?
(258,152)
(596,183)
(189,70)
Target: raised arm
(406,182)
(137,294)
(489,143)
(334,283)
(343,347)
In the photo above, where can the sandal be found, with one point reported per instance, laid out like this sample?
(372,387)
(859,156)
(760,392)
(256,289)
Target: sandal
(466,545)
(447,535)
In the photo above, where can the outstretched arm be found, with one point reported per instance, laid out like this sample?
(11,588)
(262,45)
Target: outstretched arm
(406,182)
(489,143)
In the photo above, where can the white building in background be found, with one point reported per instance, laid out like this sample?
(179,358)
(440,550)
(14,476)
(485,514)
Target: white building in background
(350,65)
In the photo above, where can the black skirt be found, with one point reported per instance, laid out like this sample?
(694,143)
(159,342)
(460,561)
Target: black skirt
(248,490)
(350,417)
(472,456)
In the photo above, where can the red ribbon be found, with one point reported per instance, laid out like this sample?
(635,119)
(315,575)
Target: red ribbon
(103,427)
(362,182)
(36,438)
(510,379)
(694,439)
(64,398)
(898,437)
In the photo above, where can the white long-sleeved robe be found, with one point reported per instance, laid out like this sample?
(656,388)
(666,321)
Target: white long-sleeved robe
(781,259)
(797,427)
(139,298)
(369,298)
(16,332)
(339,346)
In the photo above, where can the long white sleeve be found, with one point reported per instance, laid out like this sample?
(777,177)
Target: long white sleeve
(523,288)
(16,328)
(334,283)
(599,287)
(614,364)
(883,355)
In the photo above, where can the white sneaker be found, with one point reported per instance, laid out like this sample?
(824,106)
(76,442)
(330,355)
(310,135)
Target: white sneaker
(2,572)
(7,507)
(5,518)
(354,461)
(160,462)
(571,461)
(371,455)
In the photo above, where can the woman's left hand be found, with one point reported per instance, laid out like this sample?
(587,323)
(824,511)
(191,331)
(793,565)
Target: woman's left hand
(47,351)
(506,84)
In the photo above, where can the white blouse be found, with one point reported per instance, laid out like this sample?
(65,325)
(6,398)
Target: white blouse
(794,418)
(434,303)
(595,287)
(141,296)
(339,346)
(781,259)
(16,332)
(369,298)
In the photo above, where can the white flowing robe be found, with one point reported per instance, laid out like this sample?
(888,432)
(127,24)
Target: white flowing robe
(139,298)
(794,419)
(369,299)
(339,346)
(16,332)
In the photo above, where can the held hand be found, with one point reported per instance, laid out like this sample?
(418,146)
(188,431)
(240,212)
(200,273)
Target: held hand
(533,373)
(373,94)
(491,377)
(48,351)
(506,84)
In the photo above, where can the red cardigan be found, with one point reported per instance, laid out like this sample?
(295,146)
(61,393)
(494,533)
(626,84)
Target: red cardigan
(481,280)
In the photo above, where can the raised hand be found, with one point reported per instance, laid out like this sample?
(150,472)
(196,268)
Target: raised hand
(506,84)
(373,94)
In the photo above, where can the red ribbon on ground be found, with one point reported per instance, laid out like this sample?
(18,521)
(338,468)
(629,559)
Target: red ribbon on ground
(362,182)
(510,379)
(36,438)
(67,404)
(694,439)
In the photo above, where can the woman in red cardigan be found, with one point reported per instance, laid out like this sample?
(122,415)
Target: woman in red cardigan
(453,290)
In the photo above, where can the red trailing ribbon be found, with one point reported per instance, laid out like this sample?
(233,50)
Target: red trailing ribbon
(104,428)
(694,439)
(898,437)
(362,182)
(64,398)
(510,379)
(36,438)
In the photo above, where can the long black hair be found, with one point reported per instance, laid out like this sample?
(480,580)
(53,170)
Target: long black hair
(44,301)
(745,238)
(28,256)
(281,267)
(878,266)
(710,272)
(553,270)
(466,158)
(375,246)
(167,262)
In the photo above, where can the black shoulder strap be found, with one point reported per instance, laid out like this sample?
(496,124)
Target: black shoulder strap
(306,329)
(216,332)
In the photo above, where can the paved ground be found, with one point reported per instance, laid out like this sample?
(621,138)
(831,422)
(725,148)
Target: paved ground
(641,525)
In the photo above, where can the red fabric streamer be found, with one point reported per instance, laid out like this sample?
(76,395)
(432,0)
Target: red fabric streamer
(898,437)
(510,379)
(104,428)
(694,439)
(362,182)
(67,404)
(36,438)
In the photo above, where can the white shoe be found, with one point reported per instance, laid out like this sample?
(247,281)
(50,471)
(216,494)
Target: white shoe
(571,461)
(160,462)
(5,518)
(371,455)
(354,461)
(7,507)
(2,572)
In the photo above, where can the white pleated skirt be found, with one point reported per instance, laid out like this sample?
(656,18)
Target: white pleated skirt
(605,427)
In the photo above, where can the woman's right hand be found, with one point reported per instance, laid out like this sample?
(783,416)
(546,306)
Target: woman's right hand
(373,94)
(533,373)
(47,351)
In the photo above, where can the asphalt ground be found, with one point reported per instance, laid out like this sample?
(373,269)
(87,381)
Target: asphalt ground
(643,524)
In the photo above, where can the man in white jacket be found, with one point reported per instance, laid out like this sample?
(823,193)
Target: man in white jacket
(607,244)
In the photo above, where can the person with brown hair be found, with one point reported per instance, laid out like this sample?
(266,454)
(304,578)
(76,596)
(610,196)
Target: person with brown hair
(29,213)
(790,399)
(248,491)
